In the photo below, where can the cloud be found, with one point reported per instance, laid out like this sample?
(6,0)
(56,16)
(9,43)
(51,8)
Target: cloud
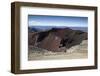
(30,23)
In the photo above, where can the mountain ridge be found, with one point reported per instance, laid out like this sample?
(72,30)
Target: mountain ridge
(56,39)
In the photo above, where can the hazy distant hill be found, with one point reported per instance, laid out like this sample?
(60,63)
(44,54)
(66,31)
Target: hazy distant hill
(32,29)
(44,28)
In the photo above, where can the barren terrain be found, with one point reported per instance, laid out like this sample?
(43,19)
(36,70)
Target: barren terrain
(75,52)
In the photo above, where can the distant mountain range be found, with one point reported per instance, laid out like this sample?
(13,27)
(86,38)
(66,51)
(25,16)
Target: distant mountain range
(44,28)
(55,39)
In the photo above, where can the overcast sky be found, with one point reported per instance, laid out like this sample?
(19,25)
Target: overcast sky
(68,21)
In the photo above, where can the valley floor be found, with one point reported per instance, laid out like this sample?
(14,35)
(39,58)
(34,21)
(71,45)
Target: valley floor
(59,56)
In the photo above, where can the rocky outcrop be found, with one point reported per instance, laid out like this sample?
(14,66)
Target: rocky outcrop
(80,48)
(56,39)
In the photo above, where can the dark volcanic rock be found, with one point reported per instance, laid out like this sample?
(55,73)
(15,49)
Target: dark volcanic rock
(32,38)
(57,39)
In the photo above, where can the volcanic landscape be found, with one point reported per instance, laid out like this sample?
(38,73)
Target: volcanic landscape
(57,43)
